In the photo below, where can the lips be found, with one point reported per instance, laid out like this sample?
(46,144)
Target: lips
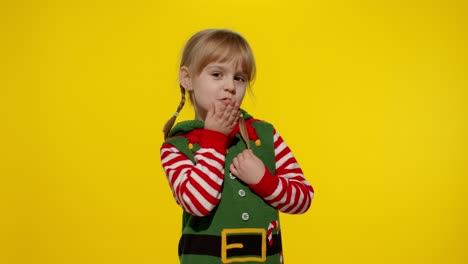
(226,100)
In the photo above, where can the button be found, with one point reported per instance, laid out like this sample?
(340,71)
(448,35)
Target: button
(241,193)
(245,216)
(258,142)
(232,176)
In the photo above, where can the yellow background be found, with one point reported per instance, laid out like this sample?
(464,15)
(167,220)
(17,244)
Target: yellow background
(370,95)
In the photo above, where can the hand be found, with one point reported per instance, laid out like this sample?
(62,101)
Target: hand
(222,117)
(248,167)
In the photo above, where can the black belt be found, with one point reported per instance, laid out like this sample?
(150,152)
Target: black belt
(212,245)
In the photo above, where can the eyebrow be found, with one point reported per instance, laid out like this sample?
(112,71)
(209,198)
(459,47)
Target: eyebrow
(222,67)
(217,66)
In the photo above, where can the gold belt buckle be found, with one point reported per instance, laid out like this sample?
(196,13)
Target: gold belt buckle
(225,247)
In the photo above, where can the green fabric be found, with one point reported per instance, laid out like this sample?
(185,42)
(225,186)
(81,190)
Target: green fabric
(228,213)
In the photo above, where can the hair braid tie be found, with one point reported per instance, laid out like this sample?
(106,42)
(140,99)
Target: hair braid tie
(170,123)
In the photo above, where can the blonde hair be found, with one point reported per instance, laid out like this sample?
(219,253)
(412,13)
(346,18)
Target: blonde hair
(210,45)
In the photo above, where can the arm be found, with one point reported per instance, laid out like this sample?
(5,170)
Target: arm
(288,191)
(196,188)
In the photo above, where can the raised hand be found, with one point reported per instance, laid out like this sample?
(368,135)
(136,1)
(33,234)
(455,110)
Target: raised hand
(222,117)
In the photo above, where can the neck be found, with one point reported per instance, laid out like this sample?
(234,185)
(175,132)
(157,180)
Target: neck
(199,115)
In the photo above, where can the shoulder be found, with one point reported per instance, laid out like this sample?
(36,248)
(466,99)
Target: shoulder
(185,127)
(183,141)
(258,128)
(185,131)
(259,124)
(182,144)
(249,119)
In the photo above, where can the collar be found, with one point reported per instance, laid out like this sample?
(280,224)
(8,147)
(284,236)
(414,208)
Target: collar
(193,129)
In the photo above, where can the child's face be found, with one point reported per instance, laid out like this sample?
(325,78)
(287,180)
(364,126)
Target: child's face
(218,81)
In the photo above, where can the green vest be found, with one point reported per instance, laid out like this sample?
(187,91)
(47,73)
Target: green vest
(240,213)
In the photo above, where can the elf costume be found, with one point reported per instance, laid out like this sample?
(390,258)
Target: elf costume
(224,219)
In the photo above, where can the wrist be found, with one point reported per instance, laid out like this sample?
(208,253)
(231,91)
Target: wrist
(215,129)
(266,185)
(213,139)
(257,178)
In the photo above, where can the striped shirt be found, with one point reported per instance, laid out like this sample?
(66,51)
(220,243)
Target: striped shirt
(197,188)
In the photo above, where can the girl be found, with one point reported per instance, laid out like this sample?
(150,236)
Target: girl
(229,172)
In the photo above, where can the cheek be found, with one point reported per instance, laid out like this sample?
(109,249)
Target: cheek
(241,92)
(240,97)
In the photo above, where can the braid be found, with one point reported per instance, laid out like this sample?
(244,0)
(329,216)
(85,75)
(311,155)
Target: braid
(171,121)
(243,131)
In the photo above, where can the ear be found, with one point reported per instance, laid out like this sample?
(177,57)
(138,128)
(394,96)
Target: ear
(184,78)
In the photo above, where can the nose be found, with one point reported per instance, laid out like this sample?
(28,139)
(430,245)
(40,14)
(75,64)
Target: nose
(229,86)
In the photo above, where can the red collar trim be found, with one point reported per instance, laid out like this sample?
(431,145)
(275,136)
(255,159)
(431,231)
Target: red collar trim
(195,135)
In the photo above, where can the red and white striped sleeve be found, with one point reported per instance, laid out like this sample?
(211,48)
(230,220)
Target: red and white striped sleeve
(197,188)
(288,191)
